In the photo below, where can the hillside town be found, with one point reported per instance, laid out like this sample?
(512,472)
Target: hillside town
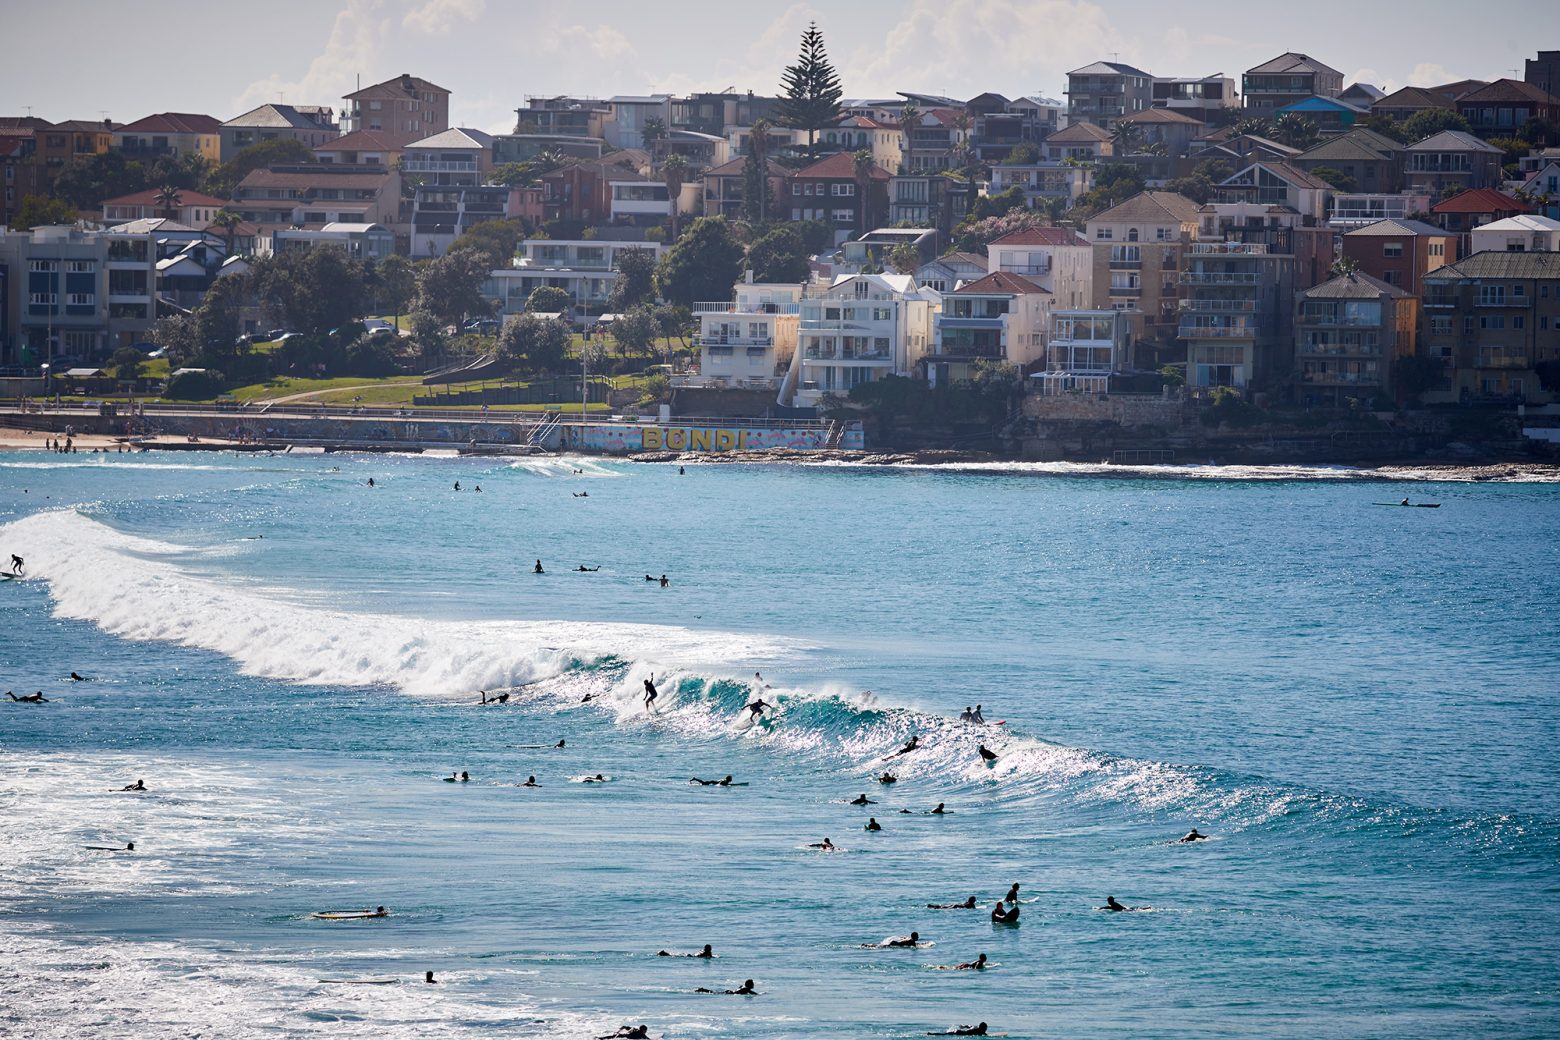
(1268,246)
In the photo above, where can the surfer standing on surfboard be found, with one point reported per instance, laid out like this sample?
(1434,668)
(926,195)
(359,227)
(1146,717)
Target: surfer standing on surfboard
(17,565)
(650,694)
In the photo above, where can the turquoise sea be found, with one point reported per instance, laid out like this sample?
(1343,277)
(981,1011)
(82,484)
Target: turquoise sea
(1359,705)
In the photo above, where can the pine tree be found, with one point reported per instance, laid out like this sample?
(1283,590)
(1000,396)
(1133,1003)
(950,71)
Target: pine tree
(811,90)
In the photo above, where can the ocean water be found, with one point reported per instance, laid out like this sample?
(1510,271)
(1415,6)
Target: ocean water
(1359,704)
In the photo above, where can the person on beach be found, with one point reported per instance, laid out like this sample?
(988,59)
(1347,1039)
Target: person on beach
(707,953)
(744,990)
(1192,835)
(826,845)
(712,783)
(862,799)
(1000,915)
(538,568)
(872,824)
(968,904)
(650,693)
(18,565)
(911,745)
(530,781)
(31,698)
(139,785)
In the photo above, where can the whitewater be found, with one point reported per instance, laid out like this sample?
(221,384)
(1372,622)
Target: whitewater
(1359,710)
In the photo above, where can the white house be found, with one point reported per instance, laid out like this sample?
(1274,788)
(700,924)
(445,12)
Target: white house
(1000,318)
(1059,260)
(1527,233)
(1086,347)
(858,330)
(749,340)
(584,268)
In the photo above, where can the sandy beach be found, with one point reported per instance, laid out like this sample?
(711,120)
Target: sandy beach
(13,439)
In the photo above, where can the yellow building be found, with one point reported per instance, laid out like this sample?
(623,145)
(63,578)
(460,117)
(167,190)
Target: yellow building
(174,134)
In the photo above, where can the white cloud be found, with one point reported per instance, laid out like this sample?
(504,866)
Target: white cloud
(601,43)
(1429,74)
(437,17)
(356,40)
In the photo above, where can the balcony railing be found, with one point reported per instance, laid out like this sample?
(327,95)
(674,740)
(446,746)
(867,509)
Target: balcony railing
(814,354)
(732,307)
(1499,361)
(736,341)
(1126,290)
(1125,265)
(1219,306)
(1220,278)
(1190,331)
(409,165)
(1017,268)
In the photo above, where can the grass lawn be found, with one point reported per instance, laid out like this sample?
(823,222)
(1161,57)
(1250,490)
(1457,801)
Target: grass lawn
(289,385)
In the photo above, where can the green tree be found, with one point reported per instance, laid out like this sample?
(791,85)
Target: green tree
(674,171)
(1023,154)
(533,342)
(228,221)
(310,290)
(903,259)
(450,286)
(1002,202)
(635,279)
(810,90)
(1428,122)
(178,336)
(277,151)
(1415,374)
(635,331)
(861,165)
(428,332)
(87,181)
(219,318)
(1127,137)
(42,211)
(1295,130)
(169,199)
(1344,265)
(909,119)
(654,136)
(755,173)
(1386,126)
(127,363)
(1540,132)
(397,285)
(548,299)
(704,264)
(1337,178)
(496,240)
(817,235)
(779,256)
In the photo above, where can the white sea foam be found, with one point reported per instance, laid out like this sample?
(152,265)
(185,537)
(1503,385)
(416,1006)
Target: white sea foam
(564,466)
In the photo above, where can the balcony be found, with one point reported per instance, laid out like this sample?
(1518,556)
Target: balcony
(1507,361)
(410,165)
(1126,290)
(1125,265)
(735,341)
(1219,306)
(1339,322)
(1190,330)
(1026,269)
(1220,278)
(871,357)
(733,307)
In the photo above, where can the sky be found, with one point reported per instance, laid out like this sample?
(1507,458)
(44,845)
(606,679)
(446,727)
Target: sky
(225,58)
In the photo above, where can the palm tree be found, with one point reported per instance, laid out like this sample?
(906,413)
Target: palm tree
(168,198)
(1126,137)
(758,145)
(861,165)
(654,134)
(1295,130)
(674,171)
(909,116)
(228,221)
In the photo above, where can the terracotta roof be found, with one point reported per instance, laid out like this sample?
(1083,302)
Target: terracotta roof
(366,141)
(1459,88)
(841,165)
(1356,286)
(1001,282)
(149,198)
(172,123)
(1480,200)
(400,86)
(1078,133)
(1152,207)
(1507,90)
(1397,228)
(1501,264)
(24,123)
(1292,62)
(1413,97)
(88,126)
(325,178)
(1162,115)
(1042,236)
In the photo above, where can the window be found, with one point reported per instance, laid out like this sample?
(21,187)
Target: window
(1392,249)
(1441,325)
(42,298)
(43,266)
(1467,325)
(78,267)
(1132,234)
(1162,234)
(1104,234)
(1518,321)
(1518,291)
(1492,296)
(796,188)
(844,216)
(77,299)
(1492,321)
(1392,277)
(846,189)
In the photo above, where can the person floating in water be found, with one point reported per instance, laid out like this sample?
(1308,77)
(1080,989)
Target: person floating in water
(559,744)
(872,824)
(599,778)
(888,778)
(1404,502)
(976,716)
(707,953)
(862,799)
(370,481)
(588,570)
(968,904)
(457,485)
(759,678)
(978,964)
(77,678)
(911,745)
(649,577)
(580,494)
(898,942)
(31,698)
(1012,895)
(664,581)
(650,693)
(18,565)
(530,781)
(966,715)
(975,1030)
(681,471)
(744,990)
(538,568)
(478,489)
(826,845)
(1000,915)
(139,785)
(1115,907)
(1193,835)
(939,811)
(988,755)
(428,977)
(628,1033)
(712,783)
(457,778)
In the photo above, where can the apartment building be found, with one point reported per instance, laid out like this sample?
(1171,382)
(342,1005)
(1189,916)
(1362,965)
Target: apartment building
(748,341)
(406,107)
(1371,162)
(1491,319)
(1201,97)
(1107,91)
(379,149)
(358,241)
(1400,252)
(1287,79)
(582,192)
(188,207)
(999,125)
(1348,333)
(1408,102)
(1043,182)
(170,134)
(1236,314)
(314,194)
(858,330)
(725,188)
(947,272)
(1001,318)
(1059,260)
(1138,247)
(1502,108)
(1528,233)
(1356,209)
(1087,347)
(928,200)
(827,191)
(584,268)
(630,114)
(1475,207)
(1452,161)
(310,125)
(1080,142)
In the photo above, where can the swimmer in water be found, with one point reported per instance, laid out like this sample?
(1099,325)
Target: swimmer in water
(559,744)
(428,977)
(478,489)
(968,904)
(649,578)
(580,494)
(588,570)
(976,716)
(650,693)
(530,781)
(31,698)
(628,1033)
(913,744)
(587,698)
(987,755)
(939,811)
(1115,907)
(978,964)
(872,824)
(707,953)
(538,568)
(664,581)
(888,778)
(370,481)
(975,1030)
(681,471)
(457,485)
(744,990)
(862,799)
(597,779)
(1193,835)
(999,915)
(899,941)
(712,783)
(139,785)
(826,845)
(77,678)
(966,715)
(1012,896)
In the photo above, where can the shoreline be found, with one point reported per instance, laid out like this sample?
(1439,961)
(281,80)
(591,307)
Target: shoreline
(936,460)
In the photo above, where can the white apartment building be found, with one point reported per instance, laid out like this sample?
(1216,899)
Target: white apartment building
(584,268)
(1002,318)
(748,341)
(858,330)
(1059,260)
